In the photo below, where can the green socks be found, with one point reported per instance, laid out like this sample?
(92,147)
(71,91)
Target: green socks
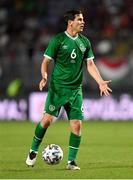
(74,143)
(37,139)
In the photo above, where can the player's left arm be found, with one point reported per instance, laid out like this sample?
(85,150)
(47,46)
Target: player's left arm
(94,72)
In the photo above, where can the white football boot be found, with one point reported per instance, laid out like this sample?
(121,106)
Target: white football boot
(72,166)
(31,159)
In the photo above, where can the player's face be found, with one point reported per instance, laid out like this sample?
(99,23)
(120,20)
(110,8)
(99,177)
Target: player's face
(78,23)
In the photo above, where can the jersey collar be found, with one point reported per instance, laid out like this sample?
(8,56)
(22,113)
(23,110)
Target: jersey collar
(71,36)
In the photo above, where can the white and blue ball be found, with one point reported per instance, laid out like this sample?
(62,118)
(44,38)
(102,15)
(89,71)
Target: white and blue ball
(52,154)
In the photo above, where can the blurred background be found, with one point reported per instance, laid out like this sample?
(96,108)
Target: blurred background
(26,26)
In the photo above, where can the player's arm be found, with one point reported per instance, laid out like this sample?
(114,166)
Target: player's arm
(44,72)
(94,72)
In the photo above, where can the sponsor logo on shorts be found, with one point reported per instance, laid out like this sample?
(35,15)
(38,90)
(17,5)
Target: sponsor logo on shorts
(51,107)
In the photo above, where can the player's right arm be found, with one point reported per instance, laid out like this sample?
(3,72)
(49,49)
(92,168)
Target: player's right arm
(49,55)
(44,72)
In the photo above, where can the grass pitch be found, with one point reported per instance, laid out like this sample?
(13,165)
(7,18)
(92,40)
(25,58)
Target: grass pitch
(106,151)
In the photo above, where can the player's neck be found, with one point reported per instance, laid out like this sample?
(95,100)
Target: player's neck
(71,32)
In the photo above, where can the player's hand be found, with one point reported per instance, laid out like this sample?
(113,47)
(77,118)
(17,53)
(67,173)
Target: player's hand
(42,84)
(104,88)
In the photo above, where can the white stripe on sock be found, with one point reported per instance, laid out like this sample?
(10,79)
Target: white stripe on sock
(73,147)
(34,151)
(38,138)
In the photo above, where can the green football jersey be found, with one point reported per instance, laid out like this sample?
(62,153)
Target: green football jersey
(68,54)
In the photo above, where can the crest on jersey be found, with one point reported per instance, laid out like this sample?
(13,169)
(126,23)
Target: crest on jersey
(82,48)
(51,107)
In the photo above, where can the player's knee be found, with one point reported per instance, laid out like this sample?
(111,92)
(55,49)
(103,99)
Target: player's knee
(46,120)
(76,126)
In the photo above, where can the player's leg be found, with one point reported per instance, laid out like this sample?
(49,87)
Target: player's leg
(74,143)
(40,131)
(75,115)
(52,110)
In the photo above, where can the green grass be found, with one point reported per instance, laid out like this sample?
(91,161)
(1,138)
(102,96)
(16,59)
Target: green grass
(106,151)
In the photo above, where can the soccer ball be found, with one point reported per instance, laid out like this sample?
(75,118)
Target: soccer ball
(52,154)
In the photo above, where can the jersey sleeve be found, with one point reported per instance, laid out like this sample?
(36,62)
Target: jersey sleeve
(89,52)
(51,50)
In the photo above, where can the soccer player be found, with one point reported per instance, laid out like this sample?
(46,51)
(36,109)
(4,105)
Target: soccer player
(69,50)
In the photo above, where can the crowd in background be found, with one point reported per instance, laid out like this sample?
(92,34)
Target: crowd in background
(26,26)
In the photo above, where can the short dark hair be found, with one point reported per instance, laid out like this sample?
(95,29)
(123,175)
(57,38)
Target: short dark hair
(70,15)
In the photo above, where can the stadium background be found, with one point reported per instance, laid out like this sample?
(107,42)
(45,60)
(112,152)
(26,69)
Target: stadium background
(26,27)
